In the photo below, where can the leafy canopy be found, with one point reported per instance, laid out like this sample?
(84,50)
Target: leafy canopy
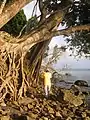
(79,14)
(15,25)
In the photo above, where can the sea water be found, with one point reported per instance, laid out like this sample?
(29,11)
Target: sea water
(72,76)
(76,75)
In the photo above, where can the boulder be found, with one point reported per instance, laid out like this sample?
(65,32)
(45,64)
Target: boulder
(71,98)
(81,83)
(55,75)
(5,118)
(75,89)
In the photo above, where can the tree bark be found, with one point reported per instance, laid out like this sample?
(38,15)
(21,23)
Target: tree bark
(11,10)
(70,30)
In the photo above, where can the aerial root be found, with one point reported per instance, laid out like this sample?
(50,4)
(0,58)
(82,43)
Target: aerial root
(10,68)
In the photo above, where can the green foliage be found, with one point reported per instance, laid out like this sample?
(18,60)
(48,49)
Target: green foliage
(9,1)
(46,52)
(31,24)
(80,41)
(15,25)
(55,55)
(79,14)
(53,5)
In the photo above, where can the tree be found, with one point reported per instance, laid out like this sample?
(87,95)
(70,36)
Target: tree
(79,15)
(13,51)
(52,57)
(15,25)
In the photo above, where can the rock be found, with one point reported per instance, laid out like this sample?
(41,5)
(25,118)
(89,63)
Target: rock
(5,118)
(3,104)
(32,96)
(44,102)
(81,83)
(76,89)
(45,118)
(55,75)
(28,118)
(71,98)
(21,110)
(64,112)
(25,101)
(30,106)
(15,103)
(69,118)
(51,115)
(36,111)
(40,118)
(58,114)
(84,114)
(54,103)
(21,117)
(5,112)
(50,110)
(25,108)
(67,74)
(32,115)
(87,118)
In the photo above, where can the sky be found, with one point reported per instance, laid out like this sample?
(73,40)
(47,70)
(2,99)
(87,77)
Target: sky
(59,40)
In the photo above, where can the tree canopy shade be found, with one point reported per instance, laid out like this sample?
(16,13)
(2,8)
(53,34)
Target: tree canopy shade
(16,76)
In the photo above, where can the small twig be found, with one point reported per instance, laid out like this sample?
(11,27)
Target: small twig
(21,31)
(34,8)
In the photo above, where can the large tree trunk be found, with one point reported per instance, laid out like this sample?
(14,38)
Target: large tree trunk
(33,61)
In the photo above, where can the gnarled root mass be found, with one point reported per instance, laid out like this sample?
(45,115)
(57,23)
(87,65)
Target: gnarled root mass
(12,77)
(17,72)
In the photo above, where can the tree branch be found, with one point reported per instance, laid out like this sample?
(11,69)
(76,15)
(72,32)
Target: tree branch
(2,6)
(38,35)
(70,30)
(43,10)
(11,10)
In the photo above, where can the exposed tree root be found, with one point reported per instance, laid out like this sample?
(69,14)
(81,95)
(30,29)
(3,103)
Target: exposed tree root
(11,81)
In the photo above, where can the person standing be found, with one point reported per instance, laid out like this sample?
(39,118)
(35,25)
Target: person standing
(47,82)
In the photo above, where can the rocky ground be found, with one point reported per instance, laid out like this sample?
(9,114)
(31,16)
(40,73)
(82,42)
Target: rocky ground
(61,105)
